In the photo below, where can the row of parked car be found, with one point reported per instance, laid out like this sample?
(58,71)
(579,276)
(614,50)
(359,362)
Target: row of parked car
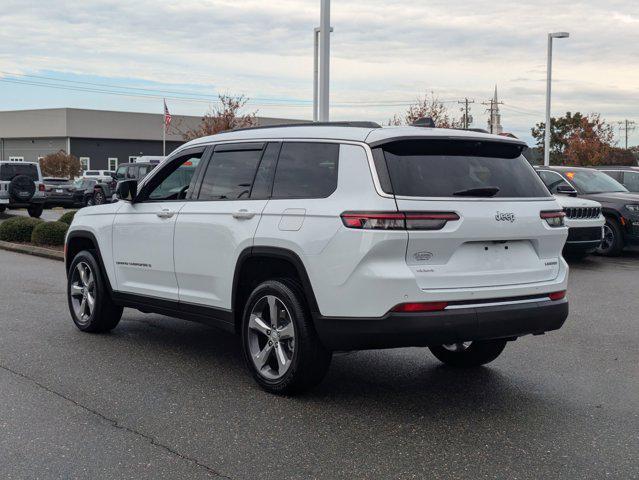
(22,186)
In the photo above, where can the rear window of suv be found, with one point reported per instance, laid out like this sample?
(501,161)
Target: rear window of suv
(450,168)
(10,170)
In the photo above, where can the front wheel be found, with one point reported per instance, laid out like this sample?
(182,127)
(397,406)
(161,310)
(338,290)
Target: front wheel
(281,347)
(612,243)
(469,354)
(98,197)
(90,304)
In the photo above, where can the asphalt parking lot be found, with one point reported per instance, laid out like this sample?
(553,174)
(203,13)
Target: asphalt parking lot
(49,214)
(164,398)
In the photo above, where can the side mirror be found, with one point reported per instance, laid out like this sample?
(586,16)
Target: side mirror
(127,190)
(566,190)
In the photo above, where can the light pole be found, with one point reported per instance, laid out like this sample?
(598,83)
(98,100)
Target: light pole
(548,79)
(324,60)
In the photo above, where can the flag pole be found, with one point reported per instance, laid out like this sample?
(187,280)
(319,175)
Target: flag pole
(164,129)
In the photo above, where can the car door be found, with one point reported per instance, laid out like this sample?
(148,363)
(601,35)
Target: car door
(212,231)
(143,230)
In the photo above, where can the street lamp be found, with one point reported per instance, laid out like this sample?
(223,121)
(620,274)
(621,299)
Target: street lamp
(548,78)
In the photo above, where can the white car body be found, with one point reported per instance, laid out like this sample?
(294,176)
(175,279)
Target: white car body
(184,254)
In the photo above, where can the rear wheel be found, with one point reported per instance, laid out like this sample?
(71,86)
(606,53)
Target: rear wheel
(469,354)
(612,243)
(90,304)
(98,197)
(281,347)
(2,208)
(35,211)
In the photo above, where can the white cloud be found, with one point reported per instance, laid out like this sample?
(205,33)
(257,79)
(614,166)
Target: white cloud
(382,50)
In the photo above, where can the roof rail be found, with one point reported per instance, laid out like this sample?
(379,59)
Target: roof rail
(361,124)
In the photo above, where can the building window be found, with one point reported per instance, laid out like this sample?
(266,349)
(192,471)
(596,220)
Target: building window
(85,162)
(16,159)
(133,159)
(113,164)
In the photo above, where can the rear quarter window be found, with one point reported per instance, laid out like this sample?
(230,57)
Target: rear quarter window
(447,168)
(10,170)
(306,170)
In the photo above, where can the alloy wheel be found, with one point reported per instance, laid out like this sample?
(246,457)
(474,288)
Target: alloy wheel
(457,347)
(83,292)
(608,239)
(271,337)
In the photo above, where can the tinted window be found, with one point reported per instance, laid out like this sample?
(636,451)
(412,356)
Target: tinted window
(631,181)
(306,170)
(131,172)
(10,170)
(229,175)
(263,182)
(552,180)
(175,179)
(443,168)
(616,174)
(593,181)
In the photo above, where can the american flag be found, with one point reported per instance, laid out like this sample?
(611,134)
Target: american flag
(167,116)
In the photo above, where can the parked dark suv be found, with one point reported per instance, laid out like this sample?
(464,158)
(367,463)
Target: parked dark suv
(627,176)
(133,171)
(620,207)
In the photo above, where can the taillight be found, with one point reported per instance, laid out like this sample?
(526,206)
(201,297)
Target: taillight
(557,295)
(41,187)
(398,220)
(554,218)
(420,307)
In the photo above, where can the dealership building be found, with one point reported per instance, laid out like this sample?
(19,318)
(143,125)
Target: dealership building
(100,139)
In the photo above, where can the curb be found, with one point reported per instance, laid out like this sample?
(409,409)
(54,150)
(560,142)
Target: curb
(32,250)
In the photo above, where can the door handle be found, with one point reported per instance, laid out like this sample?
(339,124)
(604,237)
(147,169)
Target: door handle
(243,214)
(165,213)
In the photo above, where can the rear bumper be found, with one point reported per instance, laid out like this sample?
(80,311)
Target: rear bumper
(437,328)
(10,203)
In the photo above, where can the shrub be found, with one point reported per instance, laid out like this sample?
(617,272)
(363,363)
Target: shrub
(49,233)
(67,217)
(18,229)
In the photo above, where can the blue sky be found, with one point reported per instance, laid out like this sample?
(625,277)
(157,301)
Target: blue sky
(384,54)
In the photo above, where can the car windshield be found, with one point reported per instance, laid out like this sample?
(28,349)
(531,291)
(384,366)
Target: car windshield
(10,170)
(593,181)
(120,173)
(452,168)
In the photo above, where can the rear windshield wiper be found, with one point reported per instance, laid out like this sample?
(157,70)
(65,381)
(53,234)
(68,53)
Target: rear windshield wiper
(478,192)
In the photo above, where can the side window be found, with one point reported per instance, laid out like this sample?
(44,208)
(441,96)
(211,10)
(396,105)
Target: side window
(229,175)
(552,180)
(616,174)
(130,172)
(173,181)
(263,182)
(631,181)
(306,170)
(142,172)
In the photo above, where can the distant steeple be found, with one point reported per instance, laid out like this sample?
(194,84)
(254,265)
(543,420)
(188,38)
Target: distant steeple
(494,118)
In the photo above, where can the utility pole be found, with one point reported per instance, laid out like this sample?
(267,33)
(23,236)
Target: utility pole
(492,105)
(325,59)
(466,109)
(627,126)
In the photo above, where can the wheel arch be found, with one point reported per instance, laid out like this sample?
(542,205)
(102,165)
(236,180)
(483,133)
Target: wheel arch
(282,262)
(78,240)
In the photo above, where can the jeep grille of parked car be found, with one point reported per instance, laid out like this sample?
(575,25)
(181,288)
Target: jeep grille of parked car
(582,212)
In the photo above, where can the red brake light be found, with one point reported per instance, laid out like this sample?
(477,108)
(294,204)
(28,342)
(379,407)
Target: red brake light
(42,188)
(421,307)
(553,218)
(398,220)
(557,295)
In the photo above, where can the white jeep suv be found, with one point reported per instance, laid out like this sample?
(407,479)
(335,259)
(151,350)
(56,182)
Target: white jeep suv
(311,239)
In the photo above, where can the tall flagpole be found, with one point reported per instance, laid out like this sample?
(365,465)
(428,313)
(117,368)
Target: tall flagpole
(164,129)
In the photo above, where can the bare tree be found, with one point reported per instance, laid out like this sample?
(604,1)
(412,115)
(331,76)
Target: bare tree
(427,106)
(224,117)
(60,164)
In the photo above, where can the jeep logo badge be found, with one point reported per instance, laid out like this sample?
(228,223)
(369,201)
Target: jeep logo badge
(422,256)
(505,217)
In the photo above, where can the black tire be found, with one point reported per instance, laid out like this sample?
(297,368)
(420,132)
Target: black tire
(613,243)
(2,208)
(473,355)
(105,315)
(35,211)
(98,197)
(309,359)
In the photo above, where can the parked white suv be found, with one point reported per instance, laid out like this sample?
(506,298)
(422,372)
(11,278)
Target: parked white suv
(309,239)
(21,186)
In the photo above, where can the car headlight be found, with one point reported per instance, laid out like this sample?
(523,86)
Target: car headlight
(633,208)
